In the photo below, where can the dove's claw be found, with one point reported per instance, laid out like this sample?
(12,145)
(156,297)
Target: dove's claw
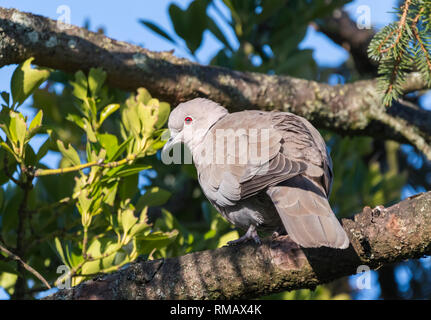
(251,234)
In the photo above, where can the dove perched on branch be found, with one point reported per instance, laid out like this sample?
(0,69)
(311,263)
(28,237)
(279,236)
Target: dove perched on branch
(266,171)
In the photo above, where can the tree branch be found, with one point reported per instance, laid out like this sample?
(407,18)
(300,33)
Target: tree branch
(341,29)
(378,237)
(13,256)
(348,109)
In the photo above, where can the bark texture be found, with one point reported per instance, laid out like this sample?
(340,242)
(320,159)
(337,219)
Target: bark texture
(378,237)
(348,109)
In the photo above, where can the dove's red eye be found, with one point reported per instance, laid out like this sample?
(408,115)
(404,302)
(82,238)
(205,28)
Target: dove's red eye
(188,120)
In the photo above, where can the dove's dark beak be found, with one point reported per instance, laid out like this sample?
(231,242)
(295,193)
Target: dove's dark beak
(173,140)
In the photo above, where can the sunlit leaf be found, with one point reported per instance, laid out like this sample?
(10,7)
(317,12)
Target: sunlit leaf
(25,80)
(69,153)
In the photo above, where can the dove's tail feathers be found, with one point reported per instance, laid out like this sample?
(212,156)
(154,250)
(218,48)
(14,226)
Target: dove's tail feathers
(307,215)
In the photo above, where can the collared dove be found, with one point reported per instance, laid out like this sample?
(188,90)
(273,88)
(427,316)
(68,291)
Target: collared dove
(287,184)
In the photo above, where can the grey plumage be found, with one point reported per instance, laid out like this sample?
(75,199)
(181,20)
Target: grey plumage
(289,187)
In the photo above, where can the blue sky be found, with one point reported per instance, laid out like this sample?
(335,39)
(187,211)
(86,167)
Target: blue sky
(120,21)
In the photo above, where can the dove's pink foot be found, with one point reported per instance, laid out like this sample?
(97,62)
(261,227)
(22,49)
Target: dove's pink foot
(251,234)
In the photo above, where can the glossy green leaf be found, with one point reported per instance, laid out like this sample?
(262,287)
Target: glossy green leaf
(17,128)
(37,121)
(80,85)
(59,250)
(155,196)
(155,240)
(163,114)
(25,80)
(109,142)
(107,111)
(155,28)
(96,79)
(69,153)
(127,219)
(191,32)
(132,169)
(8,149)
(76,120)
(120,150)
(91,135)
(128,187)
(6,97)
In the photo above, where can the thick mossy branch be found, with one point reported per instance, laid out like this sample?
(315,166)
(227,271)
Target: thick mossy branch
(378,237)
(347,109)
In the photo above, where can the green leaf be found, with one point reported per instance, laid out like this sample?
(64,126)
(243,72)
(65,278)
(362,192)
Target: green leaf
(76,120)
(80,85)
(214,28)
(25,80)
(43,150)
(89,130)
(96,78)
(190,32)
(84,203)
(7,281)
(128,170)
(8,149)
(155,28)
(155,197)
(69,153)
(155,240)
(107,111)
(110,191)
(17,128)
(30,156)
(127,219)
(5,96)
(130,118)
(59,250)
(10,217)
(163,114)
(224,239)
(143,96)
(121,149)
(37,121)
(128,187)
(109,142)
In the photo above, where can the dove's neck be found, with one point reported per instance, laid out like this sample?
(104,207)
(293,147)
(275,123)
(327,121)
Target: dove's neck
(197,136)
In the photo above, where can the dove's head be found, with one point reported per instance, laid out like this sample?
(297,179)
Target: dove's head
(191,120)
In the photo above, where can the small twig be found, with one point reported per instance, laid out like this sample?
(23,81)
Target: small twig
(397,64)
(84,243)
(418,38)
(401,26)
(50,207)
(87,258)
(25,265)
(46,172)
